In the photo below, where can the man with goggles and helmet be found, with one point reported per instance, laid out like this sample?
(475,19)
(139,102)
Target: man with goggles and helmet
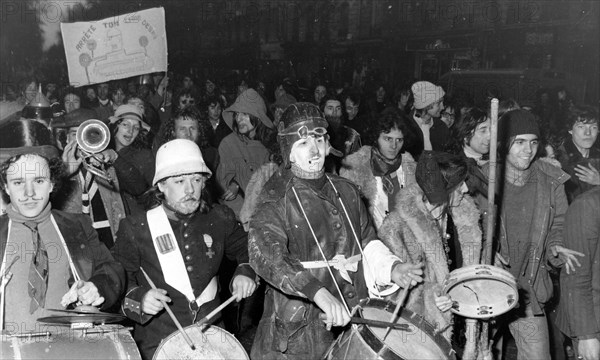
(311,238)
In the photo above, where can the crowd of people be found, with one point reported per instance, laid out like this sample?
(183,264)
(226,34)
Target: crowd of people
(299,205)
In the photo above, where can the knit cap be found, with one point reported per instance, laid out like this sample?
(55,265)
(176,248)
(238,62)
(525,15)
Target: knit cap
(517,122)
(426,93)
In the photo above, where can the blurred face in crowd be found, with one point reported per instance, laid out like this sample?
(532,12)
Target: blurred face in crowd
(320,93)
(522,152)
(185,128)
(137,102)
(183,192)
(90,93)
(186,101)
(584,135)
(118,97)
(279,92)
(214,111)
(127,131)
(209,86)
(435,109)
(309,153)
(458,194)
(30,91)
(244,124)
(72,102)
(480,142)
(72,134)
(351,109)
(102,91)
(187,82)
(380,93)
(332,108)
(28,185)
(390,144)
(132,87)
(447,116)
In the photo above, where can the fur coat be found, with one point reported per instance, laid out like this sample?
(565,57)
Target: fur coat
(411,231)
(357,168)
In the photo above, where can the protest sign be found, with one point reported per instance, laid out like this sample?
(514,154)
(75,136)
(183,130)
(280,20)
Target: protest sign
(115,48)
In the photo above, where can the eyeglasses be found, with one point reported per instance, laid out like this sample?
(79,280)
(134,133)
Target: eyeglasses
(304,133)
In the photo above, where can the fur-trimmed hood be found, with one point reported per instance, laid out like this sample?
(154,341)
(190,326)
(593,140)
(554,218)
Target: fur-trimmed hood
(411,231)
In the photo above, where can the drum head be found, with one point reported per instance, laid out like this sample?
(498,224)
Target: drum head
(211,342)
(481,292)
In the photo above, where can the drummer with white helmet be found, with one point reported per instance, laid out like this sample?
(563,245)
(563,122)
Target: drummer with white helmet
(179,244)
(312,240)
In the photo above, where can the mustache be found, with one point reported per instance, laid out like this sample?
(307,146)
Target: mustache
(190,198)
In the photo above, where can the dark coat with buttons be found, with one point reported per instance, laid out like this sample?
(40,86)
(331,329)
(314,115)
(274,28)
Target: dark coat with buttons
(135,249)
(280,239)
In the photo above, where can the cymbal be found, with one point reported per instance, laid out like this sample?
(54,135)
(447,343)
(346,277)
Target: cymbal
(94,318)
(80,310)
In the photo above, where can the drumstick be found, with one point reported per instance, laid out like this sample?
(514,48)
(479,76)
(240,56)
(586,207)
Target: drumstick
(215,311)
(401,300)
(185,335)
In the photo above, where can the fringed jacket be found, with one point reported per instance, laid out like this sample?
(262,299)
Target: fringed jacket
(411,231)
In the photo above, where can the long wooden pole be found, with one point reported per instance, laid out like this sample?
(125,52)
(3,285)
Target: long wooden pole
(491,211)
(491,219)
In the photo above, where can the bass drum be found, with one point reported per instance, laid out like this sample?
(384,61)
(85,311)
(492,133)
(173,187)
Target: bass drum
(481,291)
(211,342)
(365,342)
(61,342)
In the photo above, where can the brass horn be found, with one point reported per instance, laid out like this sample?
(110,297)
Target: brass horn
(93,136)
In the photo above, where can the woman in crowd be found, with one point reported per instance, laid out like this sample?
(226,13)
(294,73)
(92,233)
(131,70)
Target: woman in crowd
(134,163)
(383,169)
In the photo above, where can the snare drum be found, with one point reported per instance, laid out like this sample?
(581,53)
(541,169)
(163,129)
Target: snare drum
(211,342)
(365,342)
(62,342)
(481,291)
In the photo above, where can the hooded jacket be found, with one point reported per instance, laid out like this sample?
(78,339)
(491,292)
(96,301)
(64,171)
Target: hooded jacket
(411,231)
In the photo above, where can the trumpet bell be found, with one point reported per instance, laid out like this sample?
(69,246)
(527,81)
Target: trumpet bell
(93,136)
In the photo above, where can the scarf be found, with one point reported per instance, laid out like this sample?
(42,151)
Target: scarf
(472,154)
(384,168)
(18,217)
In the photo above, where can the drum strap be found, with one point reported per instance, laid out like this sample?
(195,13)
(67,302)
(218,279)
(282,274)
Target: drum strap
(339,262)
(168,252)
(171,260)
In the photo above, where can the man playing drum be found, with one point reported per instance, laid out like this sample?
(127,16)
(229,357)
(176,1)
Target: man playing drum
(45,252)
(312,240)
(180,244)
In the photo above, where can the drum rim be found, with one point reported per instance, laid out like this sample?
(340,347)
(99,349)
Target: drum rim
(375,343)
(511,282)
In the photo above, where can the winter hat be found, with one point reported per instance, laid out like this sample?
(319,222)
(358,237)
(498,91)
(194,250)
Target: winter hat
(129,111)
(75,118)
(437,184)
(297,121)
(426,93)
(517,122)
(249,102)
(179,157)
